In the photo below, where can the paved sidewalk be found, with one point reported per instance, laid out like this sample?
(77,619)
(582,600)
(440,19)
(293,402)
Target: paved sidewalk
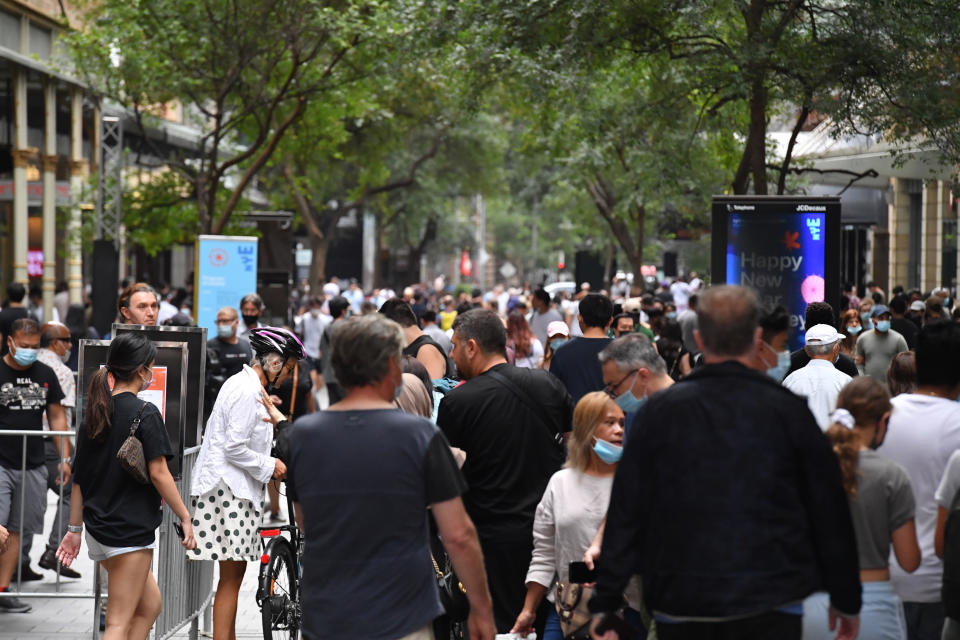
(72,619)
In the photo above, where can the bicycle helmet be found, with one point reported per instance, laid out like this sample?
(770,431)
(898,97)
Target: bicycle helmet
(266,340)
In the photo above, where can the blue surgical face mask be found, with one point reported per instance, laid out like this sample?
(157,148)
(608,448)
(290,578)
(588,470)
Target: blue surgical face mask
(556,343)
(608,452)
(225,331)
(883,326)
(866,322)
(854,330)
(629,402)
(25,357)
(671,315)
(779,371)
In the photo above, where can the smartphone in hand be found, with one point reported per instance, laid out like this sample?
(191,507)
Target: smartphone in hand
(178,529)
(580,574)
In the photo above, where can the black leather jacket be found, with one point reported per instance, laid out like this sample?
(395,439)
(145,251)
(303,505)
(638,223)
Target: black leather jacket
(728,502)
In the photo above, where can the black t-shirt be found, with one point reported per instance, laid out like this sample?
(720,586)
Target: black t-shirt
(510,453)
(117,510)
(363,480)
(24,396)
(304,388)
(576,364)
(907,329)
(232,356)
(799,359)
(7,317)
(414,347)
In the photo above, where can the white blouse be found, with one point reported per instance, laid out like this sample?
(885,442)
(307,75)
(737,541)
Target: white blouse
(236,444)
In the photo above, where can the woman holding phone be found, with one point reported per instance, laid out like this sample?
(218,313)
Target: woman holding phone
(573,506)
(121,515)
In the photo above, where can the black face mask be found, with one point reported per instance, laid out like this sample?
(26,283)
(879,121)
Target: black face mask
(250,320)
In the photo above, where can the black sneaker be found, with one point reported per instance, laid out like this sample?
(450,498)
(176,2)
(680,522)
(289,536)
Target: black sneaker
(49,561)
(26,573)
(13,605)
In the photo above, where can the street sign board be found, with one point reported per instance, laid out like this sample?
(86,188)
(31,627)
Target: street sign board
(785,248)
(226,270)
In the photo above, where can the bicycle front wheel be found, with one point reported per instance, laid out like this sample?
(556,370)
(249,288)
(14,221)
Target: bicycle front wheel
(281,601)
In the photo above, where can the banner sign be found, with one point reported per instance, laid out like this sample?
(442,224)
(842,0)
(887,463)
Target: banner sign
(786,249)
(226,270)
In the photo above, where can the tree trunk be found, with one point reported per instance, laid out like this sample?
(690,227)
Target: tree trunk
(757,139)
(318,265)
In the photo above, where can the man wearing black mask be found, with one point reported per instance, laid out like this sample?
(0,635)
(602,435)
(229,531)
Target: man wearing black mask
(251,308)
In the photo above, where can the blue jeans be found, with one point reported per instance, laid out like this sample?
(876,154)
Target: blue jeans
(552,630)
(924,620)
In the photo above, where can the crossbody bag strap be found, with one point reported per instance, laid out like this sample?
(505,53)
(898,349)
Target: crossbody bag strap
(528,403)
(293,394)
(136,420)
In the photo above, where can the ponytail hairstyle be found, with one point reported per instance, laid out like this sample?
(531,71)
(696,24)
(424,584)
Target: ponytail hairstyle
(860,404)
(127,354)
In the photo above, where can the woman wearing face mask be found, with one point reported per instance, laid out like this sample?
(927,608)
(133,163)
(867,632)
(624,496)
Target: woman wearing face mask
(850,327)
(558,333)
(234,465)
(573,506)
(121,515)
(882,506)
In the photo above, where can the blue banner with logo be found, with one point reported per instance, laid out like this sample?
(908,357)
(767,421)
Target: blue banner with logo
(226,270)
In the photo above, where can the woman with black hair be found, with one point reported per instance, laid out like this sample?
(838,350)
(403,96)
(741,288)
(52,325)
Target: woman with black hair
(76,322)
(121,514)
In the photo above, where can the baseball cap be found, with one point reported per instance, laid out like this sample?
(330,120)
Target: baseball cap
(558,327)
(917,305)
(878,310)
(822,334)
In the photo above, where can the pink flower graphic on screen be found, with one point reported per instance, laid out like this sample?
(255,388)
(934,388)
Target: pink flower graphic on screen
(812,289)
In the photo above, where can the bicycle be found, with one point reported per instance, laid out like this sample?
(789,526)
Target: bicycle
(279,584)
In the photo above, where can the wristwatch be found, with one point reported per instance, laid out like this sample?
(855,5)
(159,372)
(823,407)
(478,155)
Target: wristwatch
(75,528)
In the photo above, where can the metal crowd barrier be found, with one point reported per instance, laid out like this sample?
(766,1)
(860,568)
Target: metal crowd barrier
(186,586)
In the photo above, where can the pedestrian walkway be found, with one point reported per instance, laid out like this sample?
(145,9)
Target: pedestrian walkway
(72,619)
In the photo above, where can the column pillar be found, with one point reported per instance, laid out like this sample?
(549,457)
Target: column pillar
(49,159)
(20,160)
(78,171)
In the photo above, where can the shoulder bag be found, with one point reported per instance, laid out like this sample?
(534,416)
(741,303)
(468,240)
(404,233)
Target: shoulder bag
(130,454)
(453,596)
(537,412)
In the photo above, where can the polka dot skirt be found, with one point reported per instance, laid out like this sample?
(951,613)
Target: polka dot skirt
(225,526)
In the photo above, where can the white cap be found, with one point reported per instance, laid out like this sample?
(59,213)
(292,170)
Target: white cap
(558,327)
(917,305)
(822,334)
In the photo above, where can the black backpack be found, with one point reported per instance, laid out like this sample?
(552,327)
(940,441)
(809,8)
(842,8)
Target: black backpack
(950,591)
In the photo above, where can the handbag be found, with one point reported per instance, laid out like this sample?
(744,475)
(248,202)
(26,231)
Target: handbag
(453,596)
(130,454)
(571,602)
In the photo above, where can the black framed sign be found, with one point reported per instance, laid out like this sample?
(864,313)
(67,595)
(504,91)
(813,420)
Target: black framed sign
(168,391)
(196,340)
(785,248)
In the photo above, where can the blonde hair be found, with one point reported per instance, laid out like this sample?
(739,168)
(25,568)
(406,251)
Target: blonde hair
(586,416)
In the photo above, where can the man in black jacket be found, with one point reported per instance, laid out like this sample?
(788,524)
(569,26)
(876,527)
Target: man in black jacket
(728,500)
(821,313)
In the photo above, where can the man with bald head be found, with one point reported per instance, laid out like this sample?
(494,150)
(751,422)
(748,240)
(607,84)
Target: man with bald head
(54,352)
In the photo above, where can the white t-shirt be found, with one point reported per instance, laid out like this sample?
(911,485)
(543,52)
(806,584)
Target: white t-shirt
(923,433)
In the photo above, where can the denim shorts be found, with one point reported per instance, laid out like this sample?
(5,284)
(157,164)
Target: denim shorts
(100,552)
(881,616)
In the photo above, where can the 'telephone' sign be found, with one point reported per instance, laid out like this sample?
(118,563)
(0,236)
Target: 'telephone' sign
(779,248)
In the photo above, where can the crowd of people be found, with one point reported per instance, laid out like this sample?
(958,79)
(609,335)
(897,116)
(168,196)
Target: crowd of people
(709,481)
